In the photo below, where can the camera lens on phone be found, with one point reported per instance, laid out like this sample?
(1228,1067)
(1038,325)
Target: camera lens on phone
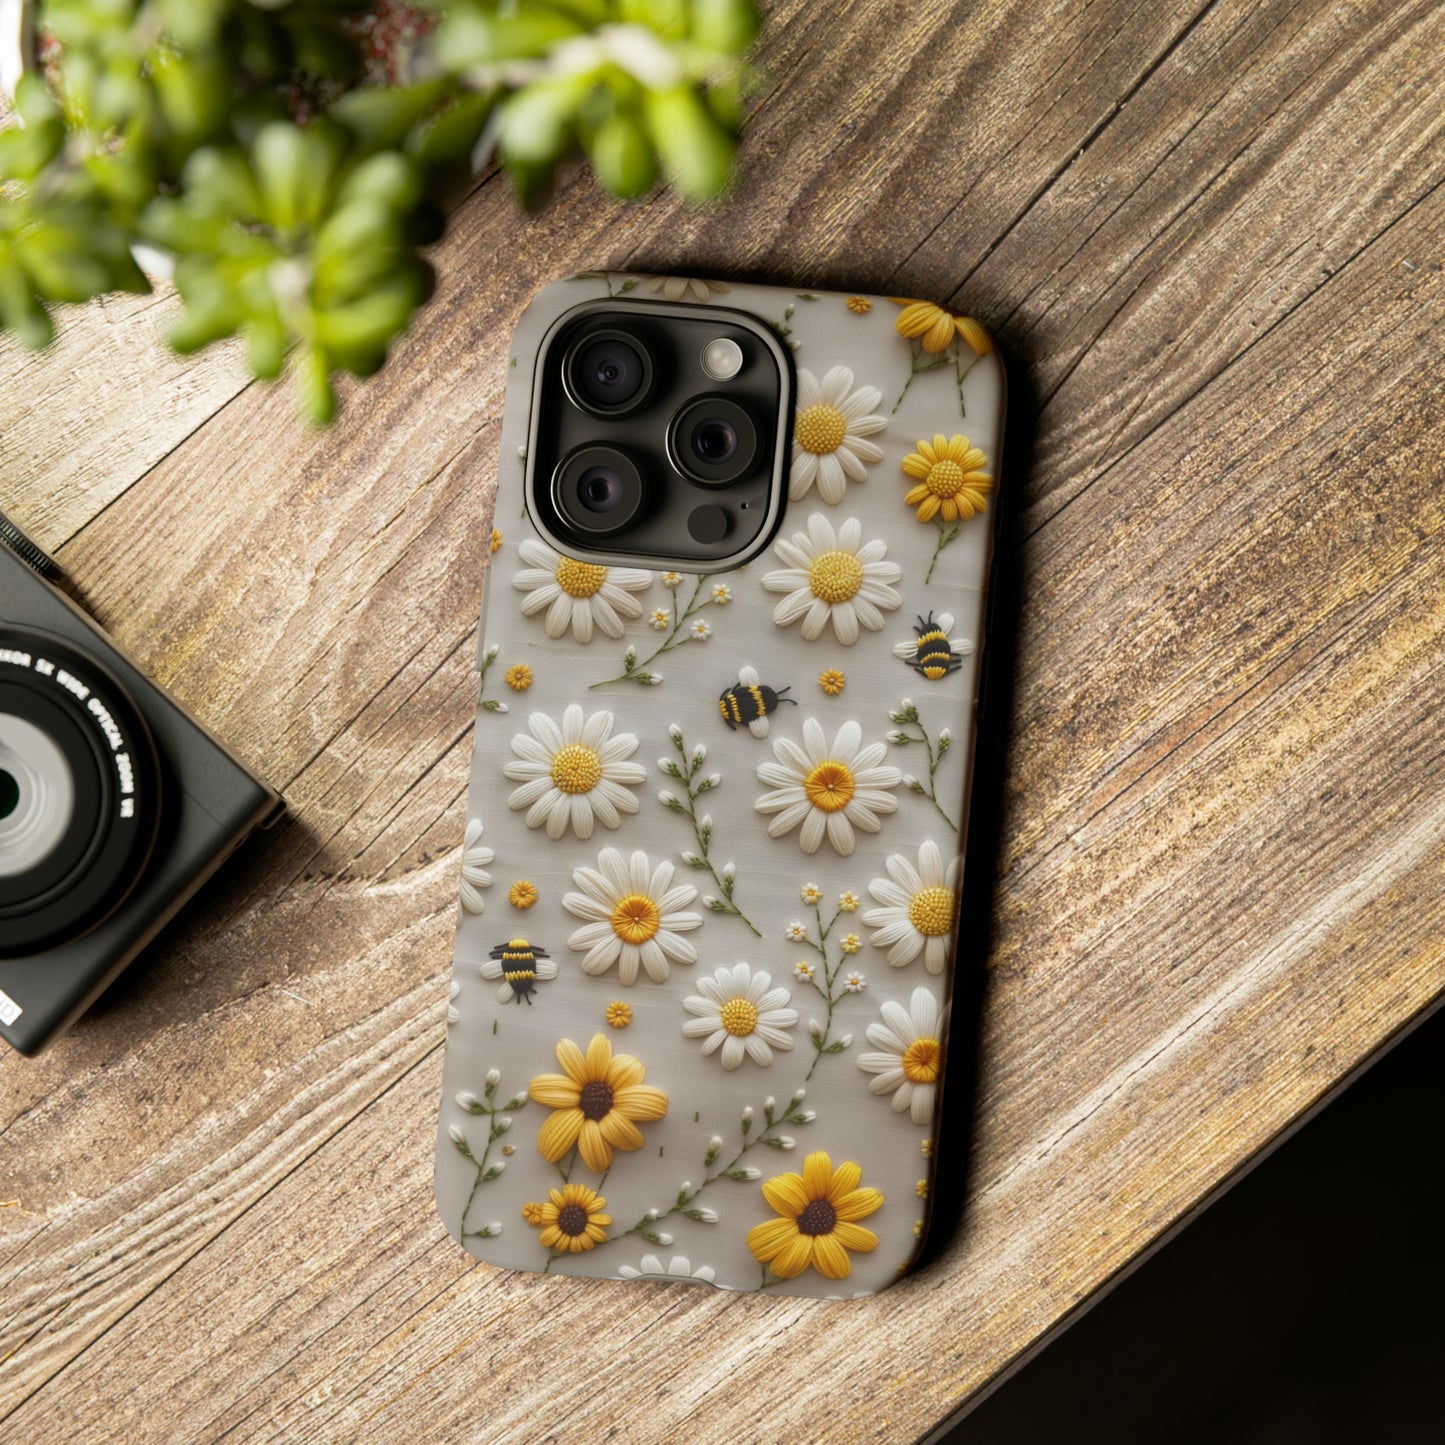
(715,442)
(598,490)
(607,372)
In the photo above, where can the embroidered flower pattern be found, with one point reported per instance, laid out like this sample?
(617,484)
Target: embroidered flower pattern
(832,681)
(574,774)
(907,1060)
(618,1014)
(918,903)
(579,595)
(597,1103)
(833,577)
(522,894)
(817,1220)
(935,327)
(571,1220)
(827,790)
(475,858)
(632,916)
(518,677)
(739,1012)
(950,481)
(678,1267)
(830,431)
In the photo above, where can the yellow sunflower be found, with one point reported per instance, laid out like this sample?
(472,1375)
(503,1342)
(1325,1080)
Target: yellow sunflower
(522,894)
(950,483)
(597,1103)
(571,1219)
(518,677)
(619,1014)
(819,1211)
(832,681)
(936,327)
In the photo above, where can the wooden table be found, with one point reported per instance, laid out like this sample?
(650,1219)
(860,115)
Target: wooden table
(1208,234)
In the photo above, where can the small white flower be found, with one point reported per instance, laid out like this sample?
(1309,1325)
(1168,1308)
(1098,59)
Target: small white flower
(475,857)
(573,774)
(833,577)
(739,1012)
(829,434)
(678,1267)
(700,631)
(855,983)
(686,288)
(919,903)
(672,580)
(910,1054)
(811,893)
(796,933)
(804,970)
(632,916)
(579,595)
(828,788)
(661,618)
(722,594)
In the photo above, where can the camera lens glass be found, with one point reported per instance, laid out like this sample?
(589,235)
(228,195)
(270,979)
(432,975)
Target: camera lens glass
(37,795)
(608,372)
(715,442)
(598,490)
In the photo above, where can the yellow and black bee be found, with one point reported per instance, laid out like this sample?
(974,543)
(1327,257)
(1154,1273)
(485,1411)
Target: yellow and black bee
(521,966)
(932,652)
(749,703)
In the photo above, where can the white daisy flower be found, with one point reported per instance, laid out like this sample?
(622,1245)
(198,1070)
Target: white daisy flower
(672,580)
(722,594)
(579,595)
(833,576)
(701,630)
(830,789)
(631,915)
(741,1014)
(910,1054)
(678,1267)
(829,429)
(811,893)
(661,618)
(804,970)
(685,288)
(576,773)
(537,966)
(918,908)
(855,983)
(931,651)
(475,857)
(795,933)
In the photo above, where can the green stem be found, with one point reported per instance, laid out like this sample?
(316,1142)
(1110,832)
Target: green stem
(946,534)
(637,671)
(914,369)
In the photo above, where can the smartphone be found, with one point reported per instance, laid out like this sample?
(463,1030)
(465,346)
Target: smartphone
(727,668)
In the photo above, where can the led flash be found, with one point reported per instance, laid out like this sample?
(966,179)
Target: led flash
(722,359)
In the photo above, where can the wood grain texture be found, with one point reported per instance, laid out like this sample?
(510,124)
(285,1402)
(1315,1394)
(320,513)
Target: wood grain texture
(1207,236)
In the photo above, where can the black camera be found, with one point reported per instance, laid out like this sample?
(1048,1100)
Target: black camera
(115,805)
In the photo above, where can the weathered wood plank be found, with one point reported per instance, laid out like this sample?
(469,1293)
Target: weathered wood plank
(1220,878)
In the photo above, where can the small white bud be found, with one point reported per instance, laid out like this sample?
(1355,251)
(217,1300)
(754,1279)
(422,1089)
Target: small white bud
(769,1104)
(667,798)
(631,655)
(654,679)
(664,1238)
(730,871)
(786,1141)
(468,1101)
(714,1145)
(705,821)
(706,1215)
(456,1133)
(691,859)
(805,1116)
(752,1173)
(675,733)
(748,1114)
(686,1188)
(492,651)
(945,736)
(503,1124)
(494,1077)
(713,779)
(708,900)
(699,753)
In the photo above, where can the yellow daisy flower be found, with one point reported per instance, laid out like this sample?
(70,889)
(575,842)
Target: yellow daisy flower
(817,1224)
(619,1014)
(859,305)
(496,539)
(848,902)
(571,1219)
(950,483)
(597,1103)
(851,943)
(832,681)
(518,677)
(936,327)
(522,894)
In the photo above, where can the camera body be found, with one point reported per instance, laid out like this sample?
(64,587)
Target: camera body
(115,804)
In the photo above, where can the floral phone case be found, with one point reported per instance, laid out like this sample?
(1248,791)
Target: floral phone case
(710,875)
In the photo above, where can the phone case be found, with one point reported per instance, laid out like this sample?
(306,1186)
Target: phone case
(708,885)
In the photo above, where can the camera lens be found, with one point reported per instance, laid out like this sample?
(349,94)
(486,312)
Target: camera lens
(607,372)
(80,800)
(715,442)
(598,490)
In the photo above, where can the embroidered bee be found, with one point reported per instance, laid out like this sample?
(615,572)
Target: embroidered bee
(521,966)
(932,652)
(749,703)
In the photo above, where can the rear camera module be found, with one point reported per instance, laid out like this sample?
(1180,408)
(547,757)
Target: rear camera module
(714,441)
(598,490)
(607,373)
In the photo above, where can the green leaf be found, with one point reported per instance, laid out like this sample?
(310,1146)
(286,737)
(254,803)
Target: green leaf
(697,154)
(622,157)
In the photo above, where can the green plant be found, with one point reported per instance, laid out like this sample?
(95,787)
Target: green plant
(292,156)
